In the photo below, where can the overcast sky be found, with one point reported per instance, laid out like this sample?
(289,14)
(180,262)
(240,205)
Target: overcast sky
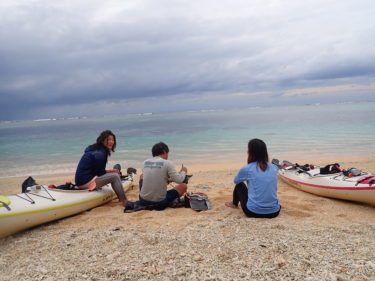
(93,57)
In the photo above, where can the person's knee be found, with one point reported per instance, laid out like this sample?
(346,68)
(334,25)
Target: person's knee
(115,176)
(115,180)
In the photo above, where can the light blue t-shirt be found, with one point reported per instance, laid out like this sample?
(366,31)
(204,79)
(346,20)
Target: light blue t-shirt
(262,187)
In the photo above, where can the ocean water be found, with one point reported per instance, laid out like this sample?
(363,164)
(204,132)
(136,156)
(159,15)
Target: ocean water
(55,146)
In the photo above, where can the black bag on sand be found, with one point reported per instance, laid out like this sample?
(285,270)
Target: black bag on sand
(197,201)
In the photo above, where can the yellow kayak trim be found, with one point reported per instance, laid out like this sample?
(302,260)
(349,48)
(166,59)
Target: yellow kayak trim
(111,194)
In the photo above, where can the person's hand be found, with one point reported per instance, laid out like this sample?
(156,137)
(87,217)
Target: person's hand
(183,169)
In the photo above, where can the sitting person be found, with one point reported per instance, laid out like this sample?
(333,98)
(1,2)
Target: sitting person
(158,172)
(91,172)
(259,198)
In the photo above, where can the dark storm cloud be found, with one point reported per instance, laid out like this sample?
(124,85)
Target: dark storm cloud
(344,70)
(70,53)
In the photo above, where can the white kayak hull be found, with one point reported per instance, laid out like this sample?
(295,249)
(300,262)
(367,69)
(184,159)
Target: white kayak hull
(334,186)
(24,214)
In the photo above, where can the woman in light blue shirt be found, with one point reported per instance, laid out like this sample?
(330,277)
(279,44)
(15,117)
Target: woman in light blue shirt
(259,197)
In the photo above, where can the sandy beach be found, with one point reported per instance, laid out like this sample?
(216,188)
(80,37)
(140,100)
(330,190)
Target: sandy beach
(314,238)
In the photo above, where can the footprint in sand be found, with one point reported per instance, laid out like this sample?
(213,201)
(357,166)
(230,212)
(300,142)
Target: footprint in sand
(318,200)
(289,197)
(341,216)
(142,214)
(305,207)
(297,214)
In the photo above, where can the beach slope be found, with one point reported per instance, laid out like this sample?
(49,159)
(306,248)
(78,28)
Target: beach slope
(314,238)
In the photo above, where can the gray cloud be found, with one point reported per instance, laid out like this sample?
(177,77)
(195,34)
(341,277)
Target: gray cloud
(55,57)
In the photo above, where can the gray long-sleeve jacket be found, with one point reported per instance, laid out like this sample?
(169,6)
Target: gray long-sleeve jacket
(156,172)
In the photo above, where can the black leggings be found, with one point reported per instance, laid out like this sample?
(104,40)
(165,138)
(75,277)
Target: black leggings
(240,195)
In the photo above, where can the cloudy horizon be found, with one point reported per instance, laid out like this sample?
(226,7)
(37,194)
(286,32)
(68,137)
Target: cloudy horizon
(89,57)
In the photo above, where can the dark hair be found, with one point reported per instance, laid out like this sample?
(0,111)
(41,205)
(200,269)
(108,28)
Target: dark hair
(102,137)
(159,149)
(257,151)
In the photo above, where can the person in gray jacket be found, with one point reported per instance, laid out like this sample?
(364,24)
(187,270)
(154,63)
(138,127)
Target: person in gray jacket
(158,172)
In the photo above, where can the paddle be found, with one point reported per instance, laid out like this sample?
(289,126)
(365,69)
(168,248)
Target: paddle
(289,165)
(284,163)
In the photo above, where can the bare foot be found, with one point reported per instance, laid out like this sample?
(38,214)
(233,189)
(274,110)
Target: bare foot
(123,202)
(231,205)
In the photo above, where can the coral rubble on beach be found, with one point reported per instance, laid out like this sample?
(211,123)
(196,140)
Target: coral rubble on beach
(314,238)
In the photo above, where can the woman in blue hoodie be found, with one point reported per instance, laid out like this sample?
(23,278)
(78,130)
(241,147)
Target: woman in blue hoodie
(258,196)
(91,172)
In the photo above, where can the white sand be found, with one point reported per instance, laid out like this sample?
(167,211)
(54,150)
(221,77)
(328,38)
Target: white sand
(314,238)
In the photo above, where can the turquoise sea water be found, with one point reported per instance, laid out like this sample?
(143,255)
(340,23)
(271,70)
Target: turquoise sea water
(55,146)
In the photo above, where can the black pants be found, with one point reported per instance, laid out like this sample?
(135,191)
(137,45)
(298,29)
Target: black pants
(240,195)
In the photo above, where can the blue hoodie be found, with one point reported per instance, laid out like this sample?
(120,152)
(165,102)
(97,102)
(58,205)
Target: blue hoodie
(262,188)
(92,164)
